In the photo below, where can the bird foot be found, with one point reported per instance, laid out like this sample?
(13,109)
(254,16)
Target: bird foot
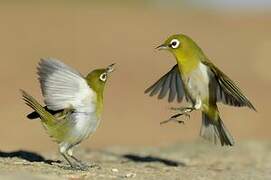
(84,167)
(182,109)
(77,167)
(97,166)
(174,118)
(80,167)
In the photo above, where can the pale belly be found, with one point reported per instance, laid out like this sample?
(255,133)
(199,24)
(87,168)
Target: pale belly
(78,131)
(84,127)
(197,85)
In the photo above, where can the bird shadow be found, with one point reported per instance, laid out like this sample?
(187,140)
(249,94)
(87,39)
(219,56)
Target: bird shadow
(28,156)
(149,159)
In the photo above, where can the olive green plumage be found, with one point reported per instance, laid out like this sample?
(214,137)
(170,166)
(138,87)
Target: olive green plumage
(197,79)
(73,104)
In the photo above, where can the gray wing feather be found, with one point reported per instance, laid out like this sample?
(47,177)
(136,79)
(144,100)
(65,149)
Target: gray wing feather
(227,91)
(155,88)
(166,86)
(173,90)
(179,87)
(62,86)
(230,94)
(169,82)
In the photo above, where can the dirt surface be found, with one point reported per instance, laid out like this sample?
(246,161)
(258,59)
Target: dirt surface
(87,36)
(199,160)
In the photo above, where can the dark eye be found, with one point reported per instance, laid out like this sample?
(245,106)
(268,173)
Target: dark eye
(103,77)
(174,43)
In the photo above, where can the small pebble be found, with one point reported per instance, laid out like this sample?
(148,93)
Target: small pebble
(21,163)
(114,170)
(130,175)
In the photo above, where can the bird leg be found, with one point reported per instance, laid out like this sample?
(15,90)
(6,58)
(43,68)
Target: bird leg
(81,165)
(67,159)
(174,118)
(66,152)
(183,111)
(77,160)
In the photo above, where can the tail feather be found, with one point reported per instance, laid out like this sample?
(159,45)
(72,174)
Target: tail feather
(33,103)
(215,131)
(35,115)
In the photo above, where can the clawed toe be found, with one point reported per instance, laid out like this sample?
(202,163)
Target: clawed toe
(182,109)
(187,115)
(80,167)
(174,118)
(180,121)
(83,167)
(95,166)
(180,114)
(77,167)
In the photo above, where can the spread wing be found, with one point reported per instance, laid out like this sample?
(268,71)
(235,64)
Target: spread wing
(227,91)
(63,87)
(171,82)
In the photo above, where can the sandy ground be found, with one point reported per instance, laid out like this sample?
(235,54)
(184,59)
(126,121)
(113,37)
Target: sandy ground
(88,36)
(195,161)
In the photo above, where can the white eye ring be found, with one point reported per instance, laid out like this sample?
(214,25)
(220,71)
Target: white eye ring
(103,77)
(174,43)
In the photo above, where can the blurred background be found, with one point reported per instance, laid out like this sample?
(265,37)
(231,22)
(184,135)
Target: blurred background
(235,34)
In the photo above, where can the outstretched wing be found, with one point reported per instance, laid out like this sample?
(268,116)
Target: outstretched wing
(171,82)
(227,91)
(63,87)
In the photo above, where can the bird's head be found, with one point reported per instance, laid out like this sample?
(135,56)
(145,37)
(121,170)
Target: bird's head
(181,46)
(98,78)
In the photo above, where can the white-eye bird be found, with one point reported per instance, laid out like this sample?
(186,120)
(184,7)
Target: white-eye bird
(73,102)
(202,84)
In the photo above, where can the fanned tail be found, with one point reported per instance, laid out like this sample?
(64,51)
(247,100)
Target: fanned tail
(45,116)
(215,131)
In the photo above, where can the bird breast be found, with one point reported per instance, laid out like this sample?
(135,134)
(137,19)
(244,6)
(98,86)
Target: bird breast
(197,82)
(85,119)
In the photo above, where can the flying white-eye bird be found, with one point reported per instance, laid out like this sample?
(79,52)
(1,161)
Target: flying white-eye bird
(202,84)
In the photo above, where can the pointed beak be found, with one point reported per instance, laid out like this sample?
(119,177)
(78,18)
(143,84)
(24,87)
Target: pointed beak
(110,68)
(162,47)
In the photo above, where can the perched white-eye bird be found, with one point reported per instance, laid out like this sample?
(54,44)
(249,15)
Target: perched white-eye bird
(202,84)
(73,102)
